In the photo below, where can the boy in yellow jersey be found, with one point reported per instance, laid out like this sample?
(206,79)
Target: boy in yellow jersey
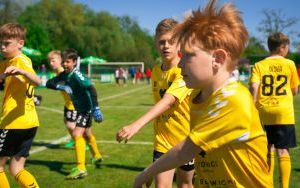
(226,137)
(171,111)
(274,81)
(84,98)
(70,114)
(19,119)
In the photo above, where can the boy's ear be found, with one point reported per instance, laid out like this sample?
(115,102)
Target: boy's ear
(220,56)
(21,43)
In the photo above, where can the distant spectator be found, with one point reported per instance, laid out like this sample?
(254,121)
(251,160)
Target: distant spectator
(138,76)
(132,72)
(148,74)
(120,76)
(43,68)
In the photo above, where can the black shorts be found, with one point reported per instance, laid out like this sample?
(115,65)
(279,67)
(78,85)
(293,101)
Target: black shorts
(282,136)
(186,167)
(70,115)
(84,120)
(16,142)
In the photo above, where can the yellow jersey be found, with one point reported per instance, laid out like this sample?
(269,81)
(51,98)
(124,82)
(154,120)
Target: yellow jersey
(68,101)
(275,76)
(227,128)
(172,126)
(18,110)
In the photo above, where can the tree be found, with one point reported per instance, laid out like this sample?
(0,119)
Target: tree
(276,21)
(254,47)
(9,11)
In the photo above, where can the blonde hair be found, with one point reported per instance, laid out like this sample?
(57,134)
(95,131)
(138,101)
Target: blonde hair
(54,52)
(12,31)
(215,28)
(165,26)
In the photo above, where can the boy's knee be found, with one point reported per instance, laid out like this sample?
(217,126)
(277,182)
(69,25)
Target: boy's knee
(282,152)
(14,170)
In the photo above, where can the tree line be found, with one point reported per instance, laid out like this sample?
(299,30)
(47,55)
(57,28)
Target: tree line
(62,24)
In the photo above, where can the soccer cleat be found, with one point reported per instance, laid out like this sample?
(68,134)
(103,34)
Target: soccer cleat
(96,162)
(70,144)
(76,174)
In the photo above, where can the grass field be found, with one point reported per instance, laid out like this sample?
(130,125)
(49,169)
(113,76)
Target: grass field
(50,162)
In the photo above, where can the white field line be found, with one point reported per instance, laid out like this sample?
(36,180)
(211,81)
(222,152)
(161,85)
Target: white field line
(51,142)
(63,139)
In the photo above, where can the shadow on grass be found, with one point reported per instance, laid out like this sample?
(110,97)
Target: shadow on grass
(49,145)
(296,169)
(119,166)
(57,166)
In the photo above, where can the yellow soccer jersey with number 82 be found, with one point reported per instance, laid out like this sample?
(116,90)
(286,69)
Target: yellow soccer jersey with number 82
(275,76)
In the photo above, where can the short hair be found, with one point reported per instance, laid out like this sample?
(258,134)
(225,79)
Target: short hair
(12,31)
(70,54)
(165,26)
(54,52)
(275,40)
(215,28)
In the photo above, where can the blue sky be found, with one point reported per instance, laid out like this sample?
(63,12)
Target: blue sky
(149,12)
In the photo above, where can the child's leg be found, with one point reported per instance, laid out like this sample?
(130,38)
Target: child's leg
(91,140)
(23,177)
(3,179)
(184,178)
(284,167)
(164,179)
(79,147)
(70,127)
(271,160)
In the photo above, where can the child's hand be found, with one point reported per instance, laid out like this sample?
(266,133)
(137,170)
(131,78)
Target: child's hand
(140,180)
(12,70)
(126,133)
(97,114)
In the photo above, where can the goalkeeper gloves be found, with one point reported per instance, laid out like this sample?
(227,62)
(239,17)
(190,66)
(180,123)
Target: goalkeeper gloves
(65,88)
(97,114)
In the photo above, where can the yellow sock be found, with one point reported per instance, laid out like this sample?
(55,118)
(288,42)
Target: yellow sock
(271,163)
(94,147)
(285,170)
(26,180)
(80,152)
(3,180)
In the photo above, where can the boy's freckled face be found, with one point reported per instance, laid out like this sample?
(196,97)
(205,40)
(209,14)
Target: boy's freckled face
(69,65)
(166,47)
(9,47)
(196,67)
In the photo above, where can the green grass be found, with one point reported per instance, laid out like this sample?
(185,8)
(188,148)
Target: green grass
(122,162)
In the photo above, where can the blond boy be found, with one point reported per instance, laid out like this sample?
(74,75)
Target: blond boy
(171,111)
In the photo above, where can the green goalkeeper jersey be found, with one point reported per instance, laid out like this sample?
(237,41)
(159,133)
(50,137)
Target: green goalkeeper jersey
(80,85)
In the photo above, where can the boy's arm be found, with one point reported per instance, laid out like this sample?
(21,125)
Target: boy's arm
(32,78)
(164,104)
(294,91)
(97,114)
(93,93)
(53,84)
(254,90)
(178,155)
